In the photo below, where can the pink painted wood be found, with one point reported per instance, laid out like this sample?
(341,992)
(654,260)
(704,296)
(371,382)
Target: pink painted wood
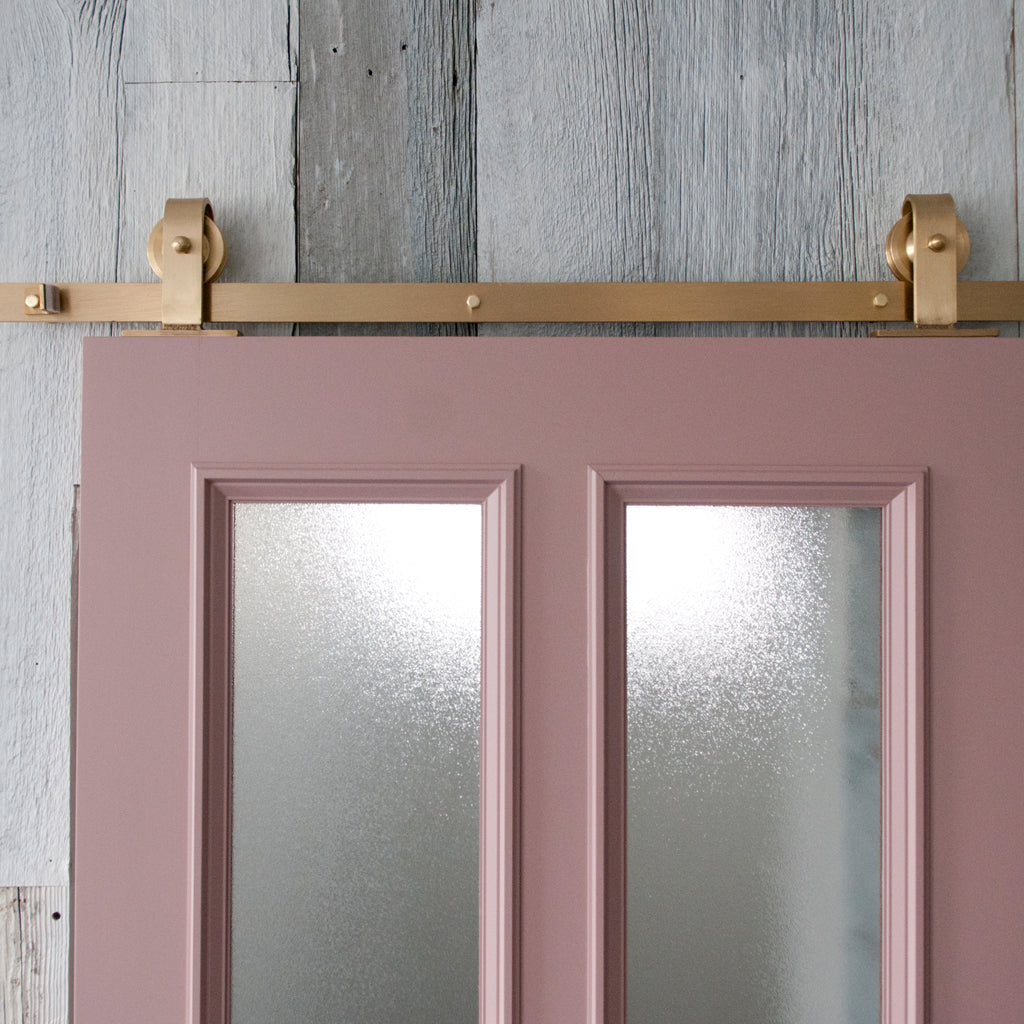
(156,408)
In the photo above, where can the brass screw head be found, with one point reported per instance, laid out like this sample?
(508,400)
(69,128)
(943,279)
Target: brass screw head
(881,300)
(937,243)
(181,244)
(473,302)
(32,301)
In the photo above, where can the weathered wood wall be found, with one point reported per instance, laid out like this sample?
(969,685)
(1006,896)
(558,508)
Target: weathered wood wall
(33,954)
(450,140)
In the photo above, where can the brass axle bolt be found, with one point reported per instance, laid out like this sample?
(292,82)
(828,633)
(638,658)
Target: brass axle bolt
(181,244)
(937,243)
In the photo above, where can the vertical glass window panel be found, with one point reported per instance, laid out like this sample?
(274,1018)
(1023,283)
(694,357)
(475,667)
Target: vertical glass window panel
(753,764)
(356,720)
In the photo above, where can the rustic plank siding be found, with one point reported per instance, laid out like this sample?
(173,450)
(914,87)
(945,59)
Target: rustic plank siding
(566,159)
(34,941)
(58,210)
(940,116)
(230,137)
(11,959)
(175,144)
(386,142)
(232,41)
(664,141)
(758,145)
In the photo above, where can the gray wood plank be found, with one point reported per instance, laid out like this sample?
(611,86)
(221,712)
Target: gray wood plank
(567,173)
(233,41)
(938,114)
(658,141)
(386,143)
(759,143)
(58,221)
(10,956)
(34,941)
(229,142)
(46,931)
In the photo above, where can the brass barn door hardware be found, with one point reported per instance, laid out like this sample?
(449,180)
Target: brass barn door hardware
(928,247)
(926,250)
(186,251)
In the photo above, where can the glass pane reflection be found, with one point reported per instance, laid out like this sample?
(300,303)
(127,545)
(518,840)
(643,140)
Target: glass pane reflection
(356,687)
(753,764)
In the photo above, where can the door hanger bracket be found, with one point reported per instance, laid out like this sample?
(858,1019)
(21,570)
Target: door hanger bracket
(186,250)
(927,248)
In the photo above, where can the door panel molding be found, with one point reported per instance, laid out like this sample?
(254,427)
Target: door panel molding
(214,488)
(901,495)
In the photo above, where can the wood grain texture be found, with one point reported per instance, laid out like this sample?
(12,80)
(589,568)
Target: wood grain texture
(660,141)
(229,142)
(10,956)
(386,144)
(233,41)
(566,145)
(939,114)
(565,156)
(34,934)
(58,211)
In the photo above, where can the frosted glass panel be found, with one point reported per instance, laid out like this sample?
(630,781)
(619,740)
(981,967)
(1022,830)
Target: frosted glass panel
(753,771)
(356,763)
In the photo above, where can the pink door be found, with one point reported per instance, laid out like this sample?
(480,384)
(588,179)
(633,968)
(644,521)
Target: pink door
(550,444)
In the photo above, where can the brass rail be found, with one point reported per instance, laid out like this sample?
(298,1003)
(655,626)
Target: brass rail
(978,301)
(926,249)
